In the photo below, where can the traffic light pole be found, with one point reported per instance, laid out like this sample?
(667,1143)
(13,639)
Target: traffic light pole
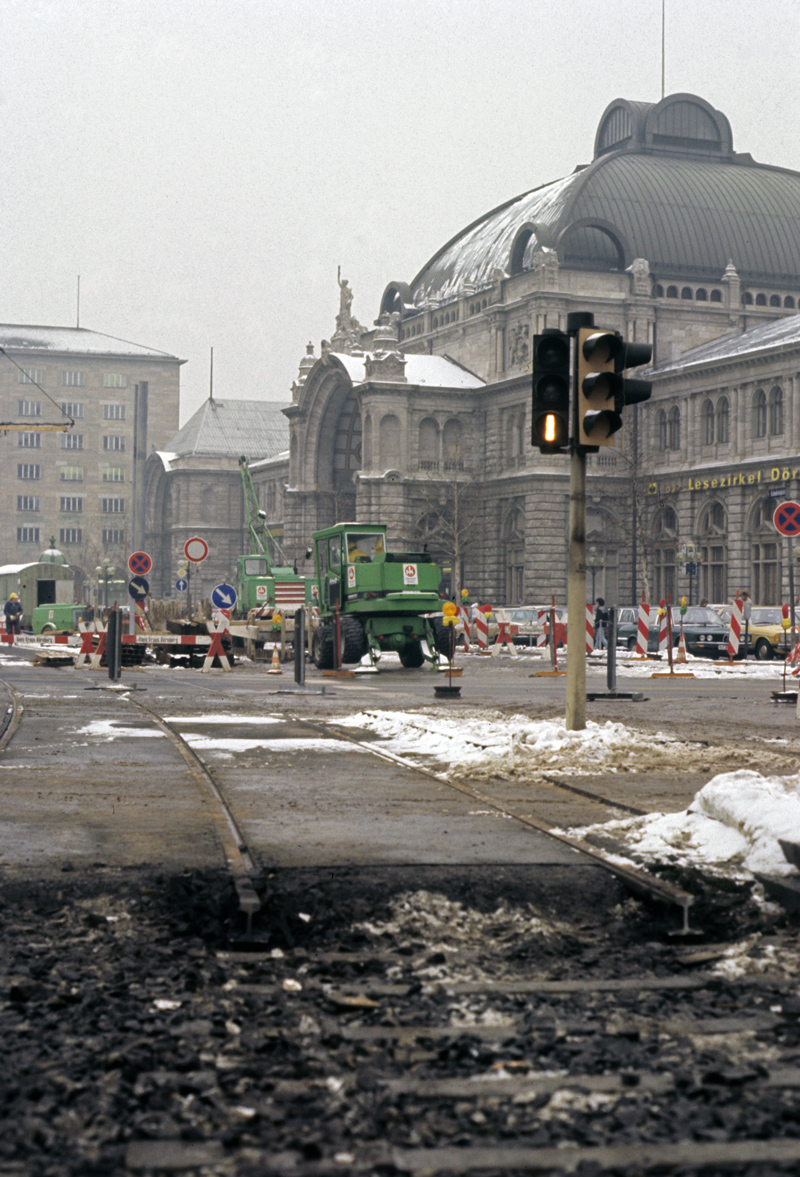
(576,594)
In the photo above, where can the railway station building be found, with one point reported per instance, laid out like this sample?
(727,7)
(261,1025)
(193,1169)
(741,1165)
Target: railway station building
(667,235)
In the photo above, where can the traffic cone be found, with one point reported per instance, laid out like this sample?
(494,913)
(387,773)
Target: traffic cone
(275,668)
(681,655)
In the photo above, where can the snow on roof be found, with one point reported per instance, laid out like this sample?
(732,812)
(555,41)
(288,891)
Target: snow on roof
(74,341)
(774,336)
(230,428)
(427,371)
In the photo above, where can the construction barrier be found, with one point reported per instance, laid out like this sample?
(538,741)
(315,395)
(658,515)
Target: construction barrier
(735,631)
(482,626)
(589,628)
(681,655)
(504,639)
(642,630)
(464,616)
(663,629)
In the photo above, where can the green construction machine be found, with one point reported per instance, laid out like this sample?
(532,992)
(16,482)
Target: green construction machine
(376,599)
(263,582)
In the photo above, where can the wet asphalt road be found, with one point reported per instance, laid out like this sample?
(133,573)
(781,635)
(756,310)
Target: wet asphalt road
(87,778)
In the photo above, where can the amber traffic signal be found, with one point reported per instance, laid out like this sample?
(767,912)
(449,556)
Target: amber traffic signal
(550,405)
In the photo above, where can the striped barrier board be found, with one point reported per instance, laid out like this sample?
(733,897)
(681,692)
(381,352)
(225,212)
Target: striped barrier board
(735,631)
(642,630)
(589,628)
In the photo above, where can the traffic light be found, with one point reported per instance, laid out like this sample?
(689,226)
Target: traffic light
(597,387)
(550,409)
(602,392)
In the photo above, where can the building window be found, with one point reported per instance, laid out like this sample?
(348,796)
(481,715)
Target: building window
(674,428)
(662,431)
(72,409)
(29,441)
(28,535)
(761,415)
(112,506)
(27,502)
(774,300)
(788,301)
(28,472)
(30,376)
(761,300)
(716,296)
(659,291)
(72,441)
(71,504)
(113,474)
(747,298)
(766,574)
(708,423)
(686,292)
(71,474)
(701,295)
(113,537)
(29,408)
(113,412)
(114,380)
(776,411)
(672,292)
(70,535)
(113,442)
(73,379)
(713,573)
(665,573)
(723,421)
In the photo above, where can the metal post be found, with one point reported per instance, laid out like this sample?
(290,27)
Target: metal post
(337,649)
(300,646)
(791,580)
(576,595)
(611,649)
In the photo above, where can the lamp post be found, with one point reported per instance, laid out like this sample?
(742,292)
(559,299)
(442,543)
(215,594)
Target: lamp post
(594,563)
(104,573)
(688,557)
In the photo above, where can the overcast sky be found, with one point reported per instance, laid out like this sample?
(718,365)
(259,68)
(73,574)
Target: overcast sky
(205,165)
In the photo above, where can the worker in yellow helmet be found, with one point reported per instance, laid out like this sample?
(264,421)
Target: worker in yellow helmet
(13,612)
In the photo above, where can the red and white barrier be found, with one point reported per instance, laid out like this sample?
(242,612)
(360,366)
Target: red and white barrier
(681,655)
(504,640)
(216,649)
(589,628)
(735,631)
(482,626)
(642,630)
(663,629)
(464,616)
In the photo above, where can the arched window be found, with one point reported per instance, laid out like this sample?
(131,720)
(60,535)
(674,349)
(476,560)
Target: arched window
(451,441)
(774,300)
(659,291)
(515,427)
(723,420)
(713,552)
(429,444)
(665,530)
(761,300)
(708,423)
(389,442)
(760,405)
(701,295)
(747,298)
(716,296)
(776,411)
(674,428)
(788,301)
(662,431)
(765,553)
(672,292)
(686,292)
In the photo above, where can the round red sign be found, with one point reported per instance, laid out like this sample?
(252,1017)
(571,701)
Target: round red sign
(195,549)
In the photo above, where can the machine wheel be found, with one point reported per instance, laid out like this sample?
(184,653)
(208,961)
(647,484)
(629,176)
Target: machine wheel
(411,656)
(631,643)
(353,639)
(442,636)
(49,628)
(322,647)
(764,650)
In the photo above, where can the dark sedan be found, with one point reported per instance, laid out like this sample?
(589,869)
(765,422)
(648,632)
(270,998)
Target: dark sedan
(704,630)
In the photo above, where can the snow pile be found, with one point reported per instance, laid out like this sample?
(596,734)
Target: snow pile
(493,745)
(732,826)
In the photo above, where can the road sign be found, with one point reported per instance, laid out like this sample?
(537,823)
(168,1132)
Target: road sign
(138,588)
(195,549)
(181,584)
(223,596)
(787,518)
(140,563)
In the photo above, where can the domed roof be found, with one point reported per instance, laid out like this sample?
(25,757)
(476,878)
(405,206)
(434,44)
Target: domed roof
(52,556)
(665,185)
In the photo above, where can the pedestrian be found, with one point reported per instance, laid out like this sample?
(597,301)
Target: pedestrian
(600,624)
(704,602)
(13,612)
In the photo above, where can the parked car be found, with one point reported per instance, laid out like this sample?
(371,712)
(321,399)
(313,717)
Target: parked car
(530,622)
(766,637)
(627,627)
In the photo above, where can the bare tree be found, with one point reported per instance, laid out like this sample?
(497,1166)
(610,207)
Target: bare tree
(450,519)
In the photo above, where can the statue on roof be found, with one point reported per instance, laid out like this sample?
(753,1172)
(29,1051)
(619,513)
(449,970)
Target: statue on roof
(347,336)
(345,296)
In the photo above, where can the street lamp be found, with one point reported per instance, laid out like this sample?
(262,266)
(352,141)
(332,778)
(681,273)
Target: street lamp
(689,557)
(595,563)
(104,573)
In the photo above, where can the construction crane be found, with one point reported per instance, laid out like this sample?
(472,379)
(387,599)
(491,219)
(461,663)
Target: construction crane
(261,537)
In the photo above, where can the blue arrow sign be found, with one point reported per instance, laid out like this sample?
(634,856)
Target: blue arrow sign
(223,596)
(138,588)
(181,584)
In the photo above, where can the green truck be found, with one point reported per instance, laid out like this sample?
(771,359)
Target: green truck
(381,599)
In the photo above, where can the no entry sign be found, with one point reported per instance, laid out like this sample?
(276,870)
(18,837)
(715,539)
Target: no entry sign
(195,549)
(787,518)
